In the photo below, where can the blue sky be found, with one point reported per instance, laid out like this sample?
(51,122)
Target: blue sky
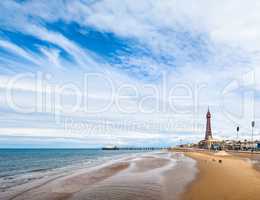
(153,68)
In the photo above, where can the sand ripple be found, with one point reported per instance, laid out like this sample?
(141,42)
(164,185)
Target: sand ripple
(142,177)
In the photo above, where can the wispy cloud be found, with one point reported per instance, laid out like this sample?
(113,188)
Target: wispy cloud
(207,52)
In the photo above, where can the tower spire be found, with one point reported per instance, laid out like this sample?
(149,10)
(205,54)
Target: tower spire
(208,134)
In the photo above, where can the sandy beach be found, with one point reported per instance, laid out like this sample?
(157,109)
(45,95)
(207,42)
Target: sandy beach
(162,175)
(158,176)
(231,177)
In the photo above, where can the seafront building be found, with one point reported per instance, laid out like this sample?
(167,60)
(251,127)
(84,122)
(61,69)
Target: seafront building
(210,143)
(238,145)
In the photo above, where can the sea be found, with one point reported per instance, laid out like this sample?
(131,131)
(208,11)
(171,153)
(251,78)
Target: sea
(21,166)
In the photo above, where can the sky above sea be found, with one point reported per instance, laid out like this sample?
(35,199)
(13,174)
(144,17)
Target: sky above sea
(91,73)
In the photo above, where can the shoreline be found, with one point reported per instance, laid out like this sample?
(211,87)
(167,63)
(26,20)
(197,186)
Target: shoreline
(156,175)
(164,175)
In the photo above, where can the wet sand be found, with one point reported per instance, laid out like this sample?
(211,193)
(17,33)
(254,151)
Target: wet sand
(233,178)
(155,176)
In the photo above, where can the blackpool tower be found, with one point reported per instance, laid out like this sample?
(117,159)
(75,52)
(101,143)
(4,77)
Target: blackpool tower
(208,134)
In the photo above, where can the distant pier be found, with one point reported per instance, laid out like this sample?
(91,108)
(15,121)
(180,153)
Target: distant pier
(137,148)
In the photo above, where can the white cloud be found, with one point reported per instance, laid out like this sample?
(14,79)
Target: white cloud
(18,51)
(212,44)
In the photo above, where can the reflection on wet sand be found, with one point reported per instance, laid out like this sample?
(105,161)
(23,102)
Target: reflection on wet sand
(154,176)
